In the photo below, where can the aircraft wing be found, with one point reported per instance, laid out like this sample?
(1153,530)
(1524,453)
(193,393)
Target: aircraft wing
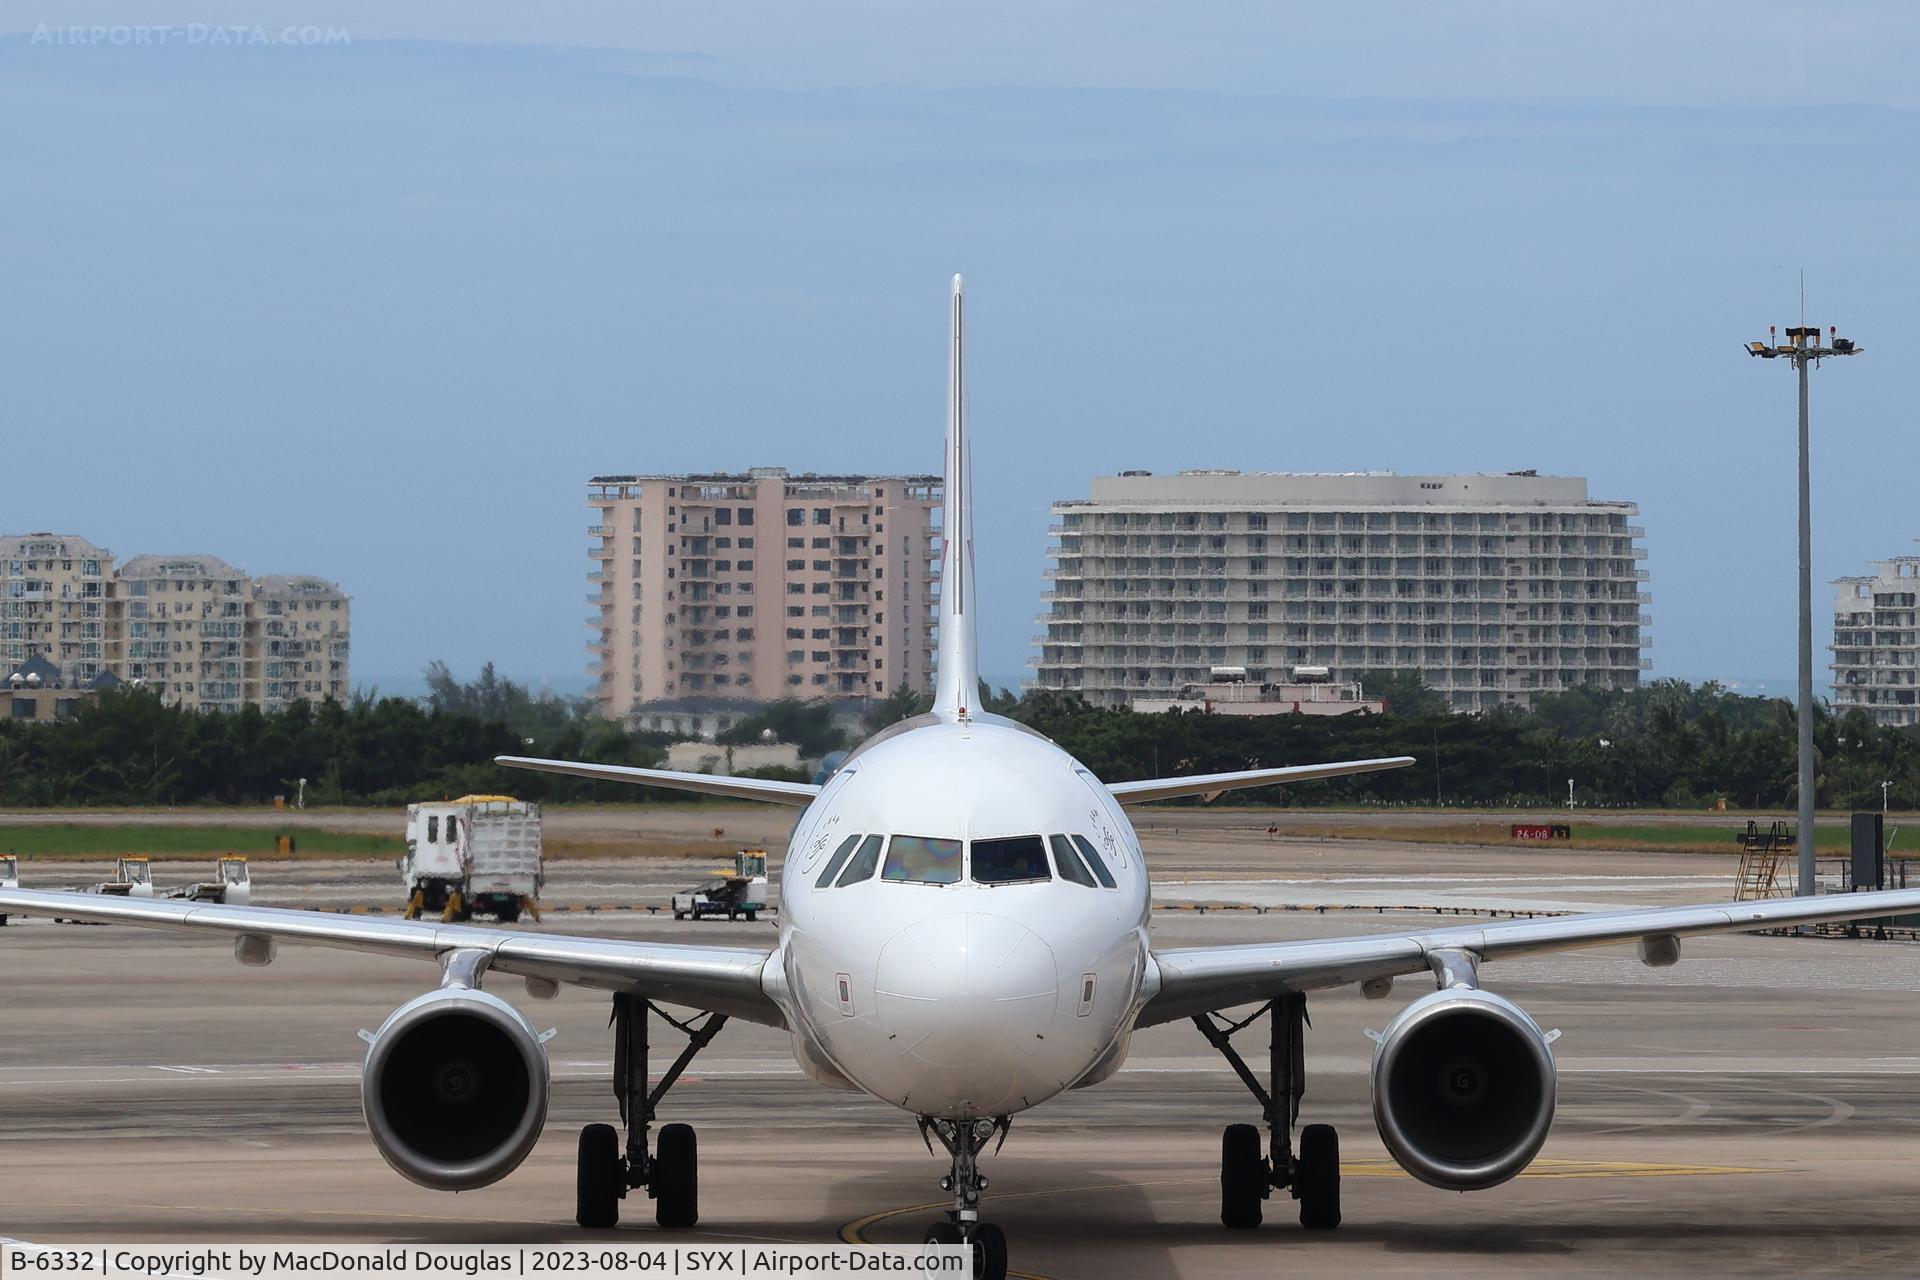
(1195,980)
(721,979)
(1213,783)
(801,793)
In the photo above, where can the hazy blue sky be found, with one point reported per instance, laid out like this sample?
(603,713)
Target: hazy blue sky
(376,309)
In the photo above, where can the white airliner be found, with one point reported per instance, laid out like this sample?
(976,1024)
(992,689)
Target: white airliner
(963,934)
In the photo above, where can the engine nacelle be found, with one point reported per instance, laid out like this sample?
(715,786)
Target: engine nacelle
(1463,1089)
(455,1089)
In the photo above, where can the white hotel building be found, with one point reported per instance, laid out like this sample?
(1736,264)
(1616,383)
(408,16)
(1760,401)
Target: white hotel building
(1495,588)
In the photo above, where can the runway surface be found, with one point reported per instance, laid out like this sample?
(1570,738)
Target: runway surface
(1753,1110)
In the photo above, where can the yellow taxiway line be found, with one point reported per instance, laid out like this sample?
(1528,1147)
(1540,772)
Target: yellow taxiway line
(855,1232)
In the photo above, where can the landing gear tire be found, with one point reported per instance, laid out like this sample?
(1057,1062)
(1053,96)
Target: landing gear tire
(1317,1182)
(676,1178)
(941,1233)
(1243,1177)
(989,1252)
(600,1177)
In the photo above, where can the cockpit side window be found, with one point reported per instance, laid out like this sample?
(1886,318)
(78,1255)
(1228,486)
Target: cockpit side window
(863,863)
(1071,868)
(1011,859)
(837,861)
(1094,860)
(922,860)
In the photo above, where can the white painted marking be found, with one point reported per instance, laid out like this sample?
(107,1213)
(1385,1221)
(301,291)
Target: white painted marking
(189,1071)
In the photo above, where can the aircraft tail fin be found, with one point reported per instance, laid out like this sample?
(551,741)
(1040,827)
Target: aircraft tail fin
(957,678)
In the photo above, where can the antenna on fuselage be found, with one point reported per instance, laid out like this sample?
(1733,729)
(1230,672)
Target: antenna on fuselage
(957,671)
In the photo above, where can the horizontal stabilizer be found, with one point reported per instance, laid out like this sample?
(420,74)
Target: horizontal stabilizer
(766,789)
(1213,783)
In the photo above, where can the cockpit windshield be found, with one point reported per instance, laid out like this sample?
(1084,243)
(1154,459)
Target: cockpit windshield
(1094,860)
(1072,869)
(863,863)
(923,860)
(1010,859)
(838,861)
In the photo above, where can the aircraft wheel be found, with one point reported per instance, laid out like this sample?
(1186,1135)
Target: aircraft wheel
(1317,1183)
(941,1233)
(600,1177)
(676,1178)
(1243,1177)
(989,1252)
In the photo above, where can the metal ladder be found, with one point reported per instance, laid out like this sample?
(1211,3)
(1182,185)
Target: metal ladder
(1761,853)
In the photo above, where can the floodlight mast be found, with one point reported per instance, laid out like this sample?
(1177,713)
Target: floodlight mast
(1804,348)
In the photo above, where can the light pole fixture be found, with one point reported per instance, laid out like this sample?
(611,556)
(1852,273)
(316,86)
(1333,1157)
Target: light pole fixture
(1804,348)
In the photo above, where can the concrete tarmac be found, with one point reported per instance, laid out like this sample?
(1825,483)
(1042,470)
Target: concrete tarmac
(1753,1110)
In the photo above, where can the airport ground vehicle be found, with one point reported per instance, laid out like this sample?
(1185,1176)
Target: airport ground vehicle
(132,878)
(735,892)
(477,855)
(9,877)
(232,884)
(963,935)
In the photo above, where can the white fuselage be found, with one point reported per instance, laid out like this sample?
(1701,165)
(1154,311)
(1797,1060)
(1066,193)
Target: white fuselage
(941,994)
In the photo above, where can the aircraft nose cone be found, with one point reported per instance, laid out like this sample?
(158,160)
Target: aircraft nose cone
(962,990)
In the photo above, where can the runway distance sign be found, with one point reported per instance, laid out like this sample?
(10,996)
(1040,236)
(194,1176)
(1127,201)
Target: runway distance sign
(1542,831)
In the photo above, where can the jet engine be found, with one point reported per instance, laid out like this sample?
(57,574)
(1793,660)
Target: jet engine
(455,1088)
(1463,1089)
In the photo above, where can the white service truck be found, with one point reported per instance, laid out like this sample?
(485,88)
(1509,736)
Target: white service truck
(733,892)
(478,855)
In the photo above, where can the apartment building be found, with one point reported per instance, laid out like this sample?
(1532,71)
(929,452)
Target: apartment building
(760,586)
(54,590)
(1496,588)
(301,640)
(1876,644)
(194,628)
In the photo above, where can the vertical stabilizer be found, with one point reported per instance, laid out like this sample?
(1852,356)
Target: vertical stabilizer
(957,676)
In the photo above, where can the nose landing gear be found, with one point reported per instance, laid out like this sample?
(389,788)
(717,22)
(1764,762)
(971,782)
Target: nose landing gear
(1248,1177)
(964,1141)
(671,1172)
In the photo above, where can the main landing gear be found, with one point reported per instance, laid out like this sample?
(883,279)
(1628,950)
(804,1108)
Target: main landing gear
(1247,1176)
(964,1141)
(671,1173)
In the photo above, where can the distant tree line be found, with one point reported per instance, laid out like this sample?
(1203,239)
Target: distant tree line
(1668,743)
(127,747)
